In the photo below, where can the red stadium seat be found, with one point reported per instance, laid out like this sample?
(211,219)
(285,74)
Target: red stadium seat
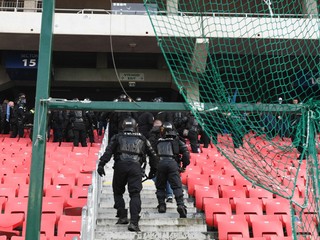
(16,178)
(80,192)
(74,206)
(84,179)
(64,179)
(189,170)
(249,238)
(216,206)
(277,206)
(42,237)
(17,205)
(198,179)
(69,226)
(202,192)
(10,222)
(47,226)
(266,226)
(258,192)
(248,206)
(3,201)
(232,226)
(58,191)
(219,180)
(53,205)
(8,191)
(233,192)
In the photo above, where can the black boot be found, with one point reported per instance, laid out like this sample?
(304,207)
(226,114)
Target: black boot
(182,210)
(162,208)
(123,216)
(133,227)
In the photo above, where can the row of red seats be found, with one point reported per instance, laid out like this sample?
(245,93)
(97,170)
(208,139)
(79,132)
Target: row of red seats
(234,207)
(67,176)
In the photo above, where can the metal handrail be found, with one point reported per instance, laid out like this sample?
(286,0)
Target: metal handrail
(90,211)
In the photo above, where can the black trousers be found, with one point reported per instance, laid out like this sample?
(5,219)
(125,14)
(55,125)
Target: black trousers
(126,172)
(168,170)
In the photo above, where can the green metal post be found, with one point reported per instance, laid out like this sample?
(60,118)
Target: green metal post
(40,123)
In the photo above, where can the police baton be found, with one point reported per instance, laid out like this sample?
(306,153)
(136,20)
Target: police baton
(146,178)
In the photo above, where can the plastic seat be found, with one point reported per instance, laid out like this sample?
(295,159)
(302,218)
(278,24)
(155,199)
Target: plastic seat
(266,226)
(23,191)
(277,206)
(249,238)
(190,169)
(84,179)
(74,206)
(23,238)
(8,191)
(16,178)
(219,180)
(233,192)
(69,226)
(216,206)
(3,201)
(54,206)
(198,179)
(248,206)
(64,179)
(9,222)
(80,192)
(257,192)
(232,226)
(47,226)
(280,238)
(304,226)
(17,205)
(58,191)
(202,192)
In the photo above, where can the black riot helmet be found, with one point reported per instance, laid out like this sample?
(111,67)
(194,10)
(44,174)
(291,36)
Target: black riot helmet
(129,125)
(167,130)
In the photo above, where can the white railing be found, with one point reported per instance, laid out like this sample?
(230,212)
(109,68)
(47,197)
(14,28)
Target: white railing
(90,211)
(19,7)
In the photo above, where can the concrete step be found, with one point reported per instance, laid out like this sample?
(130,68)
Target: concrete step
(173,235)
(107,203)
(151,211)
(154,228)
(155,221)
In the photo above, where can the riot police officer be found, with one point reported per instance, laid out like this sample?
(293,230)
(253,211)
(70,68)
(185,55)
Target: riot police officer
(169,148)
(17,117)
(128,149)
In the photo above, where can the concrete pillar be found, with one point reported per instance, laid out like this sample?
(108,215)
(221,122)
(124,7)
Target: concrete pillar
(310,7)
(30,5)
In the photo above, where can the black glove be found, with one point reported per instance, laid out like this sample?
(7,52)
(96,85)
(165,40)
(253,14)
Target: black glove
(182,169)
(101,171)
(152,174)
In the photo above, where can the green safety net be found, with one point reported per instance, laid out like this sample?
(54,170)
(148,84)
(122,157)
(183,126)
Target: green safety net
(249,70)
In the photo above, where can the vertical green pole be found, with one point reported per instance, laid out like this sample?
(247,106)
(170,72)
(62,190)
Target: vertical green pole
(40,123)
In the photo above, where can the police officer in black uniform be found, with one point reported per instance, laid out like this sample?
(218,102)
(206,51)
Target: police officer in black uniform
(169,148)
(129,149)
(17,118)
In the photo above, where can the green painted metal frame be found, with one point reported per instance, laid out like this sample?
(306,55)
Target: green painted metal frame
(40,123)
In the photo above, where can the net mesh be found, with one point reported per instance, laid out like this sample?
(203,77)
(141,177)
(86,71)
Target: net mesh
(250,72)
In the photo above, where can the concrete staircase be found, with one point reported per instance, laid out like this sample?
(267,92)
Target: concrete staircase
(153,225)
